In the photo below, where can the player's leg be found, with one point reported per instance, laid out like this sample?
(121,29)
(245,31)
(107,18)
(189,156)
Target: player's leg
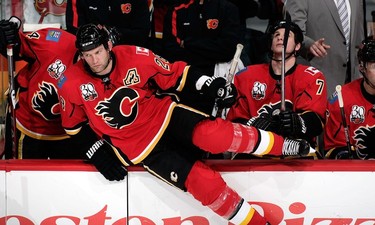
(219,135)
(205,184)
(31,148)
(208,187)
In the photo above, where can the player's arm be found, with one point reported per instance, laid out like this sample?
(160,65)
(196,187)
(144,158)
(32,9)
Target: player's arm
(209,87)
(98,152)
(240,112)
(94,148)
(173,38)
(180,78)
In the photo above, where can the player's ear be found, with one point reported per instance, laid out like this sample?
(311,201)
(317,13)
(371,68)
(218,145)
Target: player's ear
(361,67)
(298,47)
(110,45)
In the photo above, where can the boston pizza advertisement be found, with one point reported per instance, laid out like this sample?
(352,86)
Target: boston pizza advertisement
(75,194)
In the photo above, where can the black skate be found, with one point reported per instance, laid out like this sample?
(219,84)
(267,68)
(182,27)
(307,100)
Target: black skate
(296,147)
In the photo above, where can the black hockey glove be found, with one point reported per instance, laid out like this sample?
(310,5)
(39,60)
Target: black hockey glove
(229,99)
(9,32)
(291,124)
(102,156)
(264,122)
(365,137)
(212,87)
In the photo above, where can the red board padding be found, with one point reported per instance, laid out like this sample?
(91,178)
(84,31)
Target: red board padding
(219,165)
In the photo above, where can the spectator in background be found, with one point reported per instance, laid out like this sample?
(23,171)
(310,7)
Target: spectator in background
(203,33)
(359,100)
(160,10)
(259,91)
(255,42)
(48,53)
(130,18)
(326,47)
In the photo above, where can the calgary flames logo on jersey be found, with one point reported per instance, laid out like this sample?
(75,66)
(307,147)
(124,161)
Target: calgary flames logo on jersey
(357,115)
(45,101)
(212,23)
(54,7)
(364,137)
(259,90)
(121,109)
(273,108)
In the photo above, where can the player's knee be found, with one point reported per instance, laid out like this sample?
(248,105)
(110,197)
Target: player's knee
(213,135)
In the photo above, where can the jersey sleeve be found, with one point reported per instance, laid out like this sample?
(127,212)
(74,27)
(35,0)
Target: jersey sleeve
(173,77)
(240,110)
(170,75)
(73,115)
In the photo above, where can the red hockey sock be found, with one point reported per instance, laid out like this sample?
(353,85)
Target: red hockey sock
(204,183)
(208,187)
(218,136)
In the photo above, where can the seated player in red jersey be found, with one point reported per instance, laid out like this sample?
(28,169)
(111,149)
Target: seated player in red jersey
(259,100)
(358,116)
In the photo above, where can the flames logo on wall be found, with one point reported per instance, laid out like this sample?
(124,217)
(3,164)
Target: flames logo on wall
(54,7)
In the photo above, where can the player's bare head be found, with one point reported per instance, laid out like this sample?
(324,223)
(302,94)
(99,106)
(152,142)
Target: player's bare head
(90,36)
(274,35)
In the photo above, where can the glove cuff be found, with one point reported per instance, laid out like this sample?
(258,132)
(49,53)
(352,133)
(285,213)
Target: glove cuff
(313,123)
(303,128)
(94,148)
(201,81)
(251,121)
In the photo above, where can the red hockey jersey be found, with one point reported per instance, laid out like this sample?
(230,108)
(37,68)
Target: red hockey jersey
(128,112)
(259,92)
(48,52)
(360,118)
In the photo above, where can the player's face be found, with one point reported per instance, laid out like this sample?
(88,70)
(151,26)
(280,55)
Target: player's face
(278,39)
(98,59)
